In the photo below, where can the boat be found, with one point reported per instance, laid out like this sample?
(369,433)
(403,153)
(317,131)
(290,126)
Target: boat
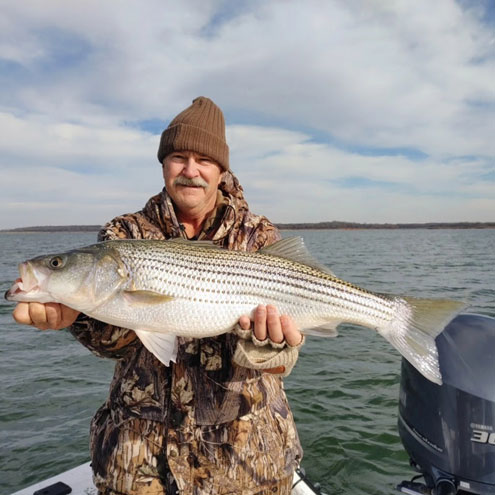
(448,430)
(78,481)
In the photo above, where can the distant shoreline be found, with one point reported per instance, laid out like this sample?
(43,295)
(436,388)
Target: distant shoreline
(334,225)
(384,226)
(52,228)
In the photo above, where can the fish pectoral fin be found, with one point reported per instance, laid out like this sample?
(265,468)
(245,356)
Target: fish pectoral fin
(162,345)
(328,329)
(145,297)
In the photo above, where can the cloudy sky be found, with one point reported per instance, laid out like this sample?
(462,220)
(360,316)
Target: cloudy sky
(355,110)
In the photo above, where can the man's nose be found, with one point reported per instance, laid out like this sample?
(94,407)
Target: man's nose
(190,168)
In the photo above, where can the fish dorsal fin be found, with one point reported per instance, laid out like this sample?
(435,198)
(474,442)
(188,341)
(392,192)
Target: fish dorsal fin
(294,249)
(189,242)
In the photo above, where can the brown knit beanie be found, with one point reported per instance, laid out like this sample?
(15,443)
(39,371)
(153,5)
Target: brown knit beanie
(199,128)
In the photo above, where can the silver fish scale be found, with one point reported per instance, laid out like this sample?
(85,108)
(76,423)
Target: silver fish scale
(238,281)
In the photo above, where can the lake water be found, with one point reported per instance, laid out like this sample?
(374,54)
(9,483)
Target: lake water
(343,391)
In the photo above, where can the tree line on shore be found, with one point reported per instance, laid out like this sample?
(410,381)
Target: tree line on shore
(333,225)
(354,225)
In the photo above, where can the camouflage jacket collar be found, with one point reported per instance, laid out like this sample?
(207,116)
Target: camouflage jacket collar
(228,212)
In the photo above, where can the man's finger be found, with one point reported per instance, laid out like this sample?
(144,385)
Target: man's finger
(53,315)
(245,322)
(21,314)
(260,322)
(273,324)
(37,312)
(69,315)
(289,328)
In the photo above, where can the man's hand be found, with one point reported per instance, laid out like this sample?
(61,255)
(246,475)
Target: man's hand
(47,316)
(268,323)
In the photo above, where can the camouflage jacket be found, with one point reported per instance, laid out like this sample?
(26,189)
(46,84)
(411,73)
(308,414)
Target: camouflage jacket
(217,427)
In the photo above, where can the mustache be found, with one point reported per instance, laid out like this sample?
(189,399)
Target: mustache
(196,182)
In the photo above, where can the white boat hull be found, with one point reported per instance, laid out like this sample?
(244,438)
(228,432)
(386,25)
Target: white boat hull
(80,480)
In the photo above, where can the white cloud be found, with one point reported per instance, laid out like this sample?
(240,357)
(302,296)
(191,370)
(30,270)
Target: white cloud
(294,179)
(310,90)
(35,136)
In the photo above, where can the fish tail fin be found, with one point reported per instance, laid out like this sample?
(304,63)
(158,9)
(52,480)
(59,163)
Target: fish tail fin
(413,331)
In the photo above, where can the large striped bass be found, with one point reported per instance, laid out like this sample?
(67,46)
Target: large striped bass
(165,289)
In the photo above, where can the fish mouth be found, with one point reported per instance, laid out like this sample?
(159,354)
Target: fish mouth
(27,287)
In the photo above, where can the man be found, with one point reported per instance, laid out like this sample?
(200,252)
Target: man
(216,421)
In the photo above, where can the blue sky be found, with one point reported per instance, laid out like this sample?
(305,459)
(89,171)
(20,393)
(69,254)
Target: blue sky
(360,110)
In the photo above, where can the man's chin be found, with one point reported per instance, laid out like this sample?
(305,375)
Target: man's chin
(191,191)
(189,199)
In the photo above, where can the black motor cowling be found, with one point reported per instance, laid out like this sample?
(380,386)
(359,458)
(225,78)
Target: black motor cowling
(448,430)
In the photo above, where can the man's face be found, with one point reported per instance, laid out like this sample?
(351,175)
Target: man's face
(192,181)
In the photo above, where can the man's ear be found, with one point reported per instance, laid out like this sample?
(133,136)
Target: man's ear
(220,178)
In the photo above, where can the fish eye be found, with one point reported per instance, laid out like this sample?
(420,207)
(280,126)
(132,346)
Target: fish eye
(56,262)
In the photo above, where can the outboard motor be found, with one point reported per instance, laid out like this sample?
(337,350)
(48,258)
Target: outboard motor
(448,430)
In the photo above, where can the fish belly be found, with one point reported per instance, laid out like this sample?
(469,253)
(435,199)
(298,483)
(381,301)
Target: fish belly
(179,317)
(188,318)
